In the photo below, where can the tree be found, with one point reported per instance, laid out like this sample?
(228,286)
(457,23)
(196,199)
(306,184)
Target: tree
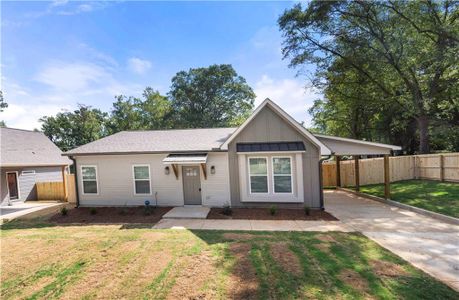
(72,129)
(405,50)
(3,103)
(152,111)
(215,96)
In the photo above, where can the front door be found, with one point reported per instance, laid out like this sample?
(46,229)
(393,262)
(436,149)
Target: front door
(191,185)
(13,185)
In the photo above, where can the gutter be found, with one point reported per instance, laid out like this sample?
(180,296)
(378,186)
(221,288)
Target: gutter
(321,183)
(77,193)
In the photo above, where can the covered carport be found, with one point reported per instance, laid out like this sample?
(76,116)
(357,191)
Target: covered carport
(340,147)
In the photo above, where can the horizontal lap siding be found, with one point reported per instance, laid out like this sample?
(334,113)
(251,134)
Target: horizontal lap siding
(267,126)
(116,186)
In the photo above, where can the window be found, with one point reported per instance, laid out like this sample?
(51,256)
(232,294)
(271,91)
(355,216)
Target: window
(89,179)
(258,174)
(141,179)
(282,174)
(28,172)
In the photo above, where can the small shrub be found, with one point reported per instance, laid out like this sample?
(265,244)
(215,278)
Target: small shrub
(93,210)
(273,210)
(307,210)
(124,211)
(147,208)
(227,211)
(64,211)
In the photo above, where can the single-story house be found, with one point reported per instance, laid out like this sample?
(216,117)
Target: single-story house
(269,159)
(27,157)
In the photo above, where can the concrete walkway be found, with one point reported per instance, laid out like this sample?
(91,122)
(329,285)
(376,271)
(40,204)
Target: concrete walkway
(427,243)
(187,212)
(22,209)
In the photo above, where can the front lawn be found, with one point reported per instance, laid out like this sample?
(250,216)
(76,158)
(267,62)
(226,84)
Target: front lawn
(44,261)
(436,196)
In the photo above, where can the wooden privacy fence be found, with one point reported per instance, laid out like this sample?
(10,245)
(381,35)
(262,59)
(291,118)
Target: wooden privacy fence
(58,190)
(433,166)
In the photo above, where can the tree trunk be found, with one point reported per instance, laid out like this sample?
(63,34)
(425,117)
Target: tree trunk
(424,143)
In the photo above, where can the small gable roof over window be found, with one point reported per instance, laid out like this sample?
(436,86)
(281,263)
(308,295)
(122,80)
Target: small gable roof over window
(324,150)
(270,147)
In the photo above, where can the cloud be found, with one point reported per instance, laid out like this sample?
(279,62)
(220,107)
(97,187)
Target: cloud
(26,116)
(139,66)
(71,77)
(290,94)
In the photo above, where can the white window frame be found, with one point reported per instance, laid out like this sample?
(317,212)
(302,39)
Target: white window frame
(82,180)
(134,180)
(274,175)
(28,172)
(250,175)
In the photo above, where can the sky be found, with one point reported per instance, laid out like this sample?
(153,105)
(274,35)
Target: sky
(55,55)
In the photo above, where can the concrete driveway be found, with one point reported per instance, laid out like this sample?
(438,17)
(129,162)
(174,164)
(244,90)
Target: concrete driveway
(427,243)
(22,209)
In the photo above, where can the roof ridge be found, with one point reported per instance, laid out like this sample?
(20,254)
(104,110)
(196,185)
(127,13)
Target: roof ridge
(177,129)
(20,129)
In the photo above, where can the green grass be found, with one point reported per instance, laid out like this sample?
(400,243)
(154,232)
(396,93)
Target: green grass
(436,196)
(108,261)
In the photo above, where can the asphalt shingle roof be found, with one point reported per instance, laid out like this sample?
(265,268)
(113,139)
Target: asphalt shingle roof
(177,140)
(28,148)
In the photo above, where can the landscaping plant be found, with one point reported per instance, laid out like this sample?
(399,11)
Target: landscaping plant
(273,210)
(93,210)
(64,211)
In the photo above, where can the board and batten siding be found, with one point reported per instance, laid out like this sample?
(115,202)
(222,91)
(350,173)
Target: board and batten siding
(116,183)
(26,182)
(268,126)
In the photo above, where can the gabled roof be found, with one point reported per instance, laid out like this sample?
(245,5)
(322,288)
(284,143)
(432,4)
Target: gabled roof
(22,148)
(157,141)
(346,146)
(324,150)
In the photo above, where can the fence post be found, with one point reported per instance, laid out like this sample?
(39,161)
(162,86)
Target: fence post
(386,177)
(442,168)
(338,171)
(357,172)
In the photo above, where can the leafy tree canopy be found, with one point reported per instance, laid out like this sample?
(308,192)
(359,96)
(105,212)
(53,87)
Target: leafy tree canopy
(215,96)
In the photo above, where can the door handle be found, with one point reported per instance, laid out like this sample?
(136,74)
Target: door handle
(199,189)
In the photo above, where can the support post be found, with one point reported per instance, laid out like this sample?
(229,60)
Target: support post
(386,177)
(442,168)
(175,169)
(338,171)
(64,184)
(357,172)
(204,171)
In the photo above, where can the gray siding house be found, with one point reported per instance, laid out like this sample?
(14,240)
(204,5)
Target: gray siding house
(269,159)
(27,157)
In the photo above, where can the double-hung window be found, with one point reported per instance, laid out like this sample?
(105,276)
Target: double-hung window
(141,179)
(282,174)
(89,179)
(258,174)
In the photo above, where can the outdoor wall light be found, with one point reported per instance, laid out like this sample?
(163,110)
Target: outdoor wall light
(212,170)
(166,170)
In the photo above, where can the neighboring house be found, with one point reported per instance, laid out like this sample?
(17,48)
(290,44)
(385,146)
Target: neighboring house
(270,159)
(27,157)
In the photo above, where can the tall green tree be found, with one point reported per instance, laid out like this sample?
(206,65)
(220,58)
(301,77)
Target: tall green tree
(72,129)
(215,96)
(405,50)
(152,111)
(3,103)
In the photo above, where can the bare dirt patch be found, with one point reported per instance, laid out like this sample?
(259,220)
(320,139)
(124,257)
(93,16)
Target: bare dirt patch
(110,215)
(387,269)
(244,236)
(352,278)
(243,283)
(264,214)
(285,257)
(191,281)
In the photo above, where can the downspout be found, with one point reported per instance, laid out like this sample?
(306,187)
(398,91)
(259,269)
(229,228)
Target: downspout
(321,183)
(77,193)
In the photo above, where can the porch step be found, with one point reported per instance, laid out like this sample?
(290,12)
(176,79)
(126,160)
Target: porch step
(187,212)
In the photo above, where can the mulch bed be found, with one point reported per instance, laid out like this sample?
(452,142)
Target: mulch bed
(264,214)
(110,215)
